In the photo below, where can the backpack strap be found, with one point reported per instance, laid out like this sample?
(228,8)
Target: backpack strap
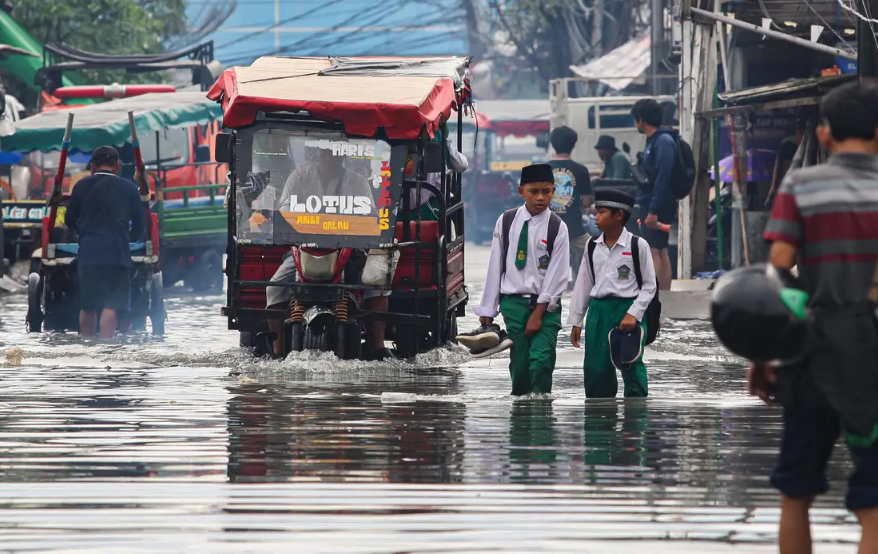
(554,227)
(506,226)
(635,254)
(591,245)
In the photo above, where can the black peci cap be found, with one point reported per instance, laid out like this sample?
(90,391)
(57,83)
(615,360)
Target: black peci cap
(605,142)
(536,173)
(104,155)
(614,199)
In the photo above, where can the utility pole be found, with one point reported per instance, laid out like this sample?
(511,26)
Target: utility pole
(867,52)
(656,32)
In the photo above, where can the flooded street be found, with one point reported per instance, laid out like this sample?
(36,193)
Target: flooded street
(187,444)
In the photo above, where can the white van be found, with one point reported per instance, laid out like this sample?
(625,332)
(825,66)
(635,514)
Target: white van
(595,116)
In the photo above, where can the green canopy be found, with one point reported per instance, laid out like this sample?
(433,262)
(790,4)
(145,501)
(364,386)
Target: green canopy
(107,123)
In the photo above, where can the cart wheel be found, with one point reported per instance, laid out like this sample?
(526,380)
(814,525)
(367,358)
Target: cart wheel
(209,274)
(34,303)
(35,264)
(316,342)
(157,304)
(348,345)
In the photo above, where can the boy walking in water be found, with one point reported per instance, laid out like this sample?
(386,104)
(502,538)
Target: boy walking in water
(607,286)
(527,273)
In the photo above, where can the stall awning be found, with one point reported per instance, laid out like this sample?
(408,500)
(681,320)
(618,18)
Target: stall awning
(620,67)
(788,94)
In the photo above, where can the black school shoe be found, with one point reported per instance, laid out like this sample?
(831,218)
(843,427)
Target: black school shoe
(486,336)
(504,344)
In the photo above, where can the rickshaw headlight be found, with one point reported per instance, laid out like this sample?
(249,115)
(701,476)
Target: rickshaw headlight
(318,268)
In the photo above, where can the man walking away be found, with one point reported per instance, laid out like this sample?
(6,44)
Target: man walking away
(616,163)
(107,212)
(656,198)
(825,216)
(572,197)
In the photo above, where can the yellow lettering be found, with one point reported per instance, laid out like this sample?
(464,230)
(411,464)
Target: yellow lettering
(383,224)
(336,225)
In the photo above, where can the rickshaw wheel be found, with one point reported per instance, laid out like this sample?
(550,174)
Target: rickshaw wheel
(451,329)
(34,303)
(157,304)
(316,342)
(348,345)
(246,339)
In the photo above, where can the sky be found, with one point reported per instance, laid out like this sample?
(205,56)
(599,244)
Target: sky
(337,28)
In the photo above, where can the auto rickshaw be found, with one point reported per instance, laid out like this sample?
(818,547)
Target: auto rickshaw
(53,288)
(325,156)
(511,135)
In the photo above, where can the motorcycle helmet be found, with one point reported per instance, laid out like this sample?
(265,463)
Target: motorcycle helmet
(756,316)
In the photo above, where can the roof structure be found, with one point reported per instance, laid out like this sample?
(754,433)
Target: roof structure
(107,123)
(402,96)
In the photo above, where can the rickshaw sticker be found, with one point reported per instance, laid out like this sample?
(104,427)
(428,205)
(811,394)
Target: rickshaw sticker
(332,224)
(384,201)
(352,205)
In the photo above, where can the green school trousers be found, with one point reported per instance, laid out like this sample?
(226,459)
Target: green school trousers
(605,314)
(531,359)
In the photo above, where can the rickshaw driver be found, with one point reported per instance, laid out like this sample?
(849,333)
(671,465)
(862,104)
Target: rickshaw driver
(326,175)
(107,212)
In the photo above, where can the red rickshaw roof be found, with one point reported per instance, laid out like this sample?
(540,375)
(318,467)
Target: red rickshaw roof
(518,118)
(400,95)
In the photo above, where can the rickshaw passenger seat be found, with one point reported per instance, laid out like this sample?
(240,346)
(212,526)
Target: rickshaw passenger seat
(405,269)
(258,263)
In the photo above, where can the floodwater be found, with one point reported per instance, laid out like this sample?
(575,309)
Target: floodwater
(186,444)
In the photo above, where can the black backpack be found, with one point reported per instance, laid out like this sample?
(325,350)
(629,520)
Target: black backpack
(509,217)
(683,174)
(653,314)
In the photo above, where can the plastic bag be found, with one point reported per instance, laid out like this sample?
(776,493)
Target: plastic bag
(375,270)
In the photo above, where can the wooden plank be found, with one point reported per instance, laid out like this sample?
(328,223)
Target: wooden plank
(701,190)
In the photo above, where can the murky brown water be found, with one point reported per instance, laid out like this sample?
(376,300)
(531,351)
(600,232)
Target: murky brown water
(188,445)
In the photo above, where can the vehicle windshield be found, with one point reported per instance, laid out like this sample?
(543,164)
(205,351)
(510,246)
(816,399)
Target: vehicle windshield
(300,185)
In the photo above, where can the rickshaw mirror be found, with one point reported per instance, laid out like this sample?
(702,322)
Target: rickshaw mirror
(543,141)
(202,153)
(223,147)
(433,158)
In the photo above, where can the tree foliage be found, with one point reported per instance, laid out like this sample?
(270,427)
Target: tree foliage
(104,26)
(551,35)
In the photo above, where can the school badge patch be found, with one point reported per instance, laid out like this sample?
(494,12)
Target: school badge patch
(623,271)
(544,262)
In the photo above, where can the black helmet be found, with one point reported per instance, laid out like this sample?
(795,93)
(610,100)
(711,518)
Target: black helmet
(757,317)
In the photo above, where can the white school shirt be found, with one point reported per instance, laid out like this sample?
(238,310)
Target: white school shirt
(614,272)
(548,283)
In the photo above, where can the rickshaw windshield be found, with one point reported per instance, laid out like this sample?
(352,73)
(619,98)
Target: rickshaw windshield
(315,188)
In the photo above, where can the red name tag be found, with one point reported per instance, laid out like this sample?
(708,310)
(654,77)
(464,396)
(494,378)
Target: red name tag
(626,253)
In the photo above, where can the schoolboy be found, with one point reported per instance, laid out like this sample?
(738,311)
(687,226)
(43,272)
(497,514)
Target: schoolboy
(527,273)
(612,296)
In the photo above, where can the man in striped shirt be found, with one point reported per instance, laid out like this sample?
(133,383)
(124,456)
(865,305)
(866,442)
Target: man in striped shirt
(826,218)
